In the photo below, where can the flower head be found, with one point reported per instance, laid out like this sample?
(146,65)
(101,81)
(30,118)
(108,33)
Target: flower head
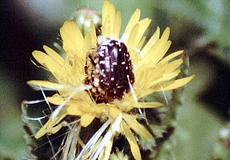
(104,77)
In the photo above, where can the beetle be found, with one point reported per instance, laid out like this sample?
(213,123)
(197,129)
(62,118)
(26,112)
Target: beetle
(109,71)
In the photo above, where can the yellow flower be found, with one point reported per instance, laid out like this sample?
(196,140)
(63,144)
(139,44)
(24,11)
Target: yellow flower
(149,71)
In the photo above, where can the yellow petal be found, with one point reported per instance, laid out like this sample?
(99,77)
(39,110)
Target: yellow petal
(171,56)
(136,126)
(73,110)
(40,56)
(156,53)
(132,141)
(46,85)
(132,36)
(165,35)
(54,55)
(158,50)
(108,19)
(145,92)
(53,130)
(132,22)
(86,119)
(106,29)
(93,36)
(50,126)
(117,26)
(172,66)
(136,58)
(114,112)
(147,105)
(108,9)
(105,11)
(143,25)
(87,42)
(174,84)
(56,99)
(140,45)
(49,63)
(151,41)
(73,41)
(145,75)
(162,78)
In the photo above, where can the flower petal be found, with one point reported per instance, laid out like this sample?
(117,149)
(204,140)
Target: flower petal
(158,50)
(73,41)
(54,55)
(174,84)
(108,9)
(143,25)
(171,56)
(86,119)
(106,29)
(132,22)
(73,110)
(147,105)
(162,78)
(50,126)
(114,112)
(151,41)
(140,45)
(52,130)
(172,66)
(46,85)
(49,63)
(132,141)
(156,53)
(108,19)
(117,26)
(132,36)
(136,126)
(56,99)
(93,36)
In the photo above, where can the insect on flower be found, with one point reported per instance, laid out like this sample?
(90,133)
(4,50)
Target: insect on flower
(110,72)
(102,78)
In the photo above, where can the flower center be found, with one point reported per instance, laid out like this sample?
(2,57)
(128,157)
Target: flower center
(109,71)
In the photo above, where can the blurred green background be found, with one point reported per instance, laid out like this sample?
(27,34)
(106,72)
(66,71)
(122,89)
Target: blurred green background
(199,27)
